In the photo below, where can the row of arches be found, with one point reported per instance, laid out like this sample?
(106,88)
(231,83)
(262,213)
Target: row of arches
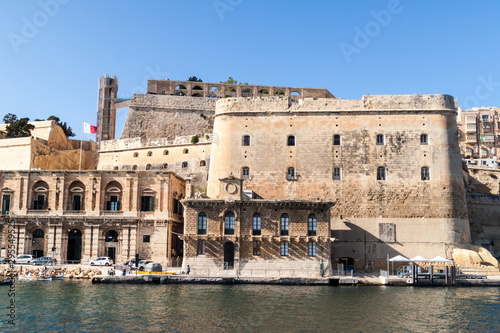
(228,91)
(74,245)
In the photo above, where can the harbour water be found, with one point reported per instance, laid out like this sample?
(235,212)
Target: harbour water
(80,306)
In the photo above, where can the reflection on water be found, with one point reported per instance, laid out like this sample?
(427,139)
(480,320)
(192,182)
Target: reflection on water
(80,306)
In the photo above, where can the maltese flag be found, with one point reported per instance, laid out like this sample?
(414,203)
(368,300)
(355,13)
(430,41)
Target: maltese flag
(91,129)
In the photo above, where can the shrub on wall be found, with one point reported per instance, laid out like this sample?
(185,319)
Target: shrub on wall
(195,139)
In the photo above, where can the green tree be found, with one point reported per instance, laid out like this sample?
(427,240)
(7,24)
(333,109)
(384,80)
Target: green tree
(18,128)
(67,130)
(195,79)
(9,118)
(230,80)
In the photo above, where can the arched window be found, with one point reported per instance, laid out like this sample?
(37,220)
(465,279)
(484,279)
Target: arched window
(284,224)
(290,141)
(245,173)
(185,151)
(184,164)
(424,139)
(165,152)
(38,233)
(202,223)
(336,140)
(134,167)
(312,223)
(245,140)
(312,249)
(148,166)
(257,224)
(203,163)
(425,174)
(229,223)
(165,166)
(290,173)
(136,154)
(150,153)
(380,173)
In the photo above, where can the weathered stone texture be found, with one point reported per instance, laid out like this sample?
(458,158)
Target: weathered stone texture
(484,217)
(154,116)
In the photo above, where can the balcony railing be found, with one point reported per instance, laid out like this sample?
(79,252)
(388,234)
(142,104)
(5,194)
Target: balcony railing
(111,212)
(74,212)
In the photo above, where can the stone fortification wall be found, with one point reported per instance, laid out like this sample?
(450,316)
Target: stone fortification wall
(160,116)
(400,214)
(484,217)
(367,103)
(190,161)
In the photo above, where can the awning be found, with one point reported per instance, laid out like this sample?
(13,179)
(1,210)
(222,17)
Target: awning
(399,258)
(419,258)
(440,259)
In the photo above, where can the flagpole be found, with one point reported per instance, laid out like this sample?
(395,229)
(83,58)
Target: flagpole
(81,140)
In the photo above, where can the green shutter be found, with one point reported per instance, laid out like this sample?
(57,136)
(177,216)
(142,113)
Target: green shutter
(152,202)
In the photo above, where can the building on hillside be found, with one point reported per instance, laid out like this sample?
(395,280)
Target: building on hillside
(47,148)
(479,135)
(77,216)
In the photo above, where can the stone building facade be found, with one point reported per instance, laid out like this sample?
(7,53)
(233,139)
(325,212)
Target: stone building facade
(77,216)
(257,237)
(479,135)
(47,148)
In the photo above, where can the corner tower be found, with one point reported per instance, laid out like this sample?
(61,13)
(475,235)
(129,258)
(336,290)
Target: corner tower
(106,110)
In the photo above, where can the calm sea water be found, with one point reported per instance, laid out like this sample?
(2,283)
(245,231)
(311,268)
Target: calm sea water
(79,306)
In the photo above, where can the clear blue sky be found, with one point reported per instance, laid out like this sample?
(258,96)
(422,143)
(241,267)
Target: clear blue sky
(51,58)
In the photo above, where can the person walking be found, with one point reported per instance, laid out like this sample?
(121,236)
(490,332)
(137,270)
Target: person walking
(188,270)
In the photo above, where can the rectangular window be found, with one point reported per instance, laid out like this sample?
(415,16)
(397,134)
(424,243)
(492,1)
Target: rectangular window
(6,204)
(245,172)
(284,248)
(485,117)
(312,249)
(380,140)
(336,140)
(201,247)
(246,140)
(337,173)
(176,206)
(147,203)
(471,119)
(290,175)
(425,175)
(256,248)
(146,238)
(423,139)
(39,203)
(387,232)
(77,202)
(380,173)
(113,204)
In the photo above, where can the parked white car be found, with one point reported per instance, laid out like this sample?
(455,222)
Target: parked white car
(101,261)
(24,259)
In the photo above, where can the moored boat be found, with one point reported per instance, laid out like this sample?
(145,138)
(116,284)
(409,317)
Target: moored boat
(34,278)
(5,281)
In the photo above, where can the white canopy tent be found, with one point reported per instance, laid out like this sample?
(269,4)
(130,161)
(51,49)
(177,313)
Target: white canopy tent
(399,258)
(440,259)
(419,258)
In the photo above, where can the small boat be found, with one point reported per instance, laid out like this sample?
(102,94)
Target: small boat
(34,278)
(6,281)
(58,277)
